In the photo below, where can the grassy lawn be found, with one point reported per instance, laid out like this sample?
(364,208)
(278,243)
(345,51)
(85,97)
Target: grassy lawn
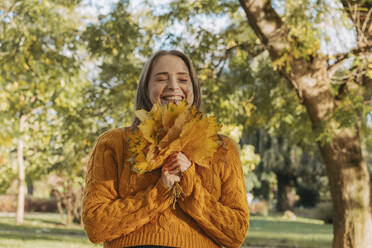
(274,231)
(41,231)
(46,230)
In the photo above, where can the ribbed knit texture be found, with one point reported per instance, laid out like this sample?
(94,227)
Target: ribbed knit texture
(123,209)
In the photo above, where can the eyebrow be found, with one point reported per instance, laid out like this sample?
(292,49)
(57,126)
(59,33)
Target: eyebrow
(166,73)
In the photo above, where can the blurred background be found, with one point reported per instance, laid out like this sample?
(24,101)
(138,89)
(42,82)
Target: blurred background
(69,70)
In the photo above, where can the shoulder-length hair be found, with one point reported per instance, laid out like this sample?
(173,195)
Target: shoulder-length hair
(142,95)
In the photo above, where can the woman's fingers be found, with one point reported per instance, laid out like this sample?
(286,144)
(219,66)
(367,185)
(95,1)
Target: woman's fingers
(174,171)
(172,158)
(176,179)
(171,166)
(168,163)
(180,159)
(169,179)
(176,162)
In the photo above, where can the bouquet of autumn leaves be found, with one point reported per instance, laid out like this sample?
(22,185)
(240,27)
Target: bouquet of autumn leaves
(171,128)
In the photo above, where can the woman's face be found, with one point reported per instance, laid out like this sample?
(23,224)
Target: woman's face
(170,81)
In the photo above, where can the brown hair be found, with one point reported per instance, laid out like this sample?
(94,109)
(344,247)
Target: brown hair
(142,95)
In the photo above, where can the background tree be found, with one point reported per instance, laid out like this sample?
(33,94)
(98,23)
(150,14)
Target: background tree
(332,111)
(310,75)
(297,171)
(117,47)
(38,42)
(267,78)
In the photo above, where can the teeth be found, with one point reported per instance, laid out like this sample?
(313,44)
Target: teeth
(173,98)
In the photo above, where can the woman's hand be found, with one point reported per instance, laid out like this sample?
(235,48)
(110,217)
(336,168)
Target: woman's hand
(169,179)
(172,169)
(177,162)
(170,173)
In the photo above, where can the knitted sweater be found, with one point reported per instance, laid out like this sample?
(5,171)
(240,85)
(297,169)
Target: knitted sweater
(122,208)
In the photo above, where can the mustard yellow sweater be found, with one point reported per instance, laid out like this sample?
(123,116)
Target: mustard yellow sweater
(122,208)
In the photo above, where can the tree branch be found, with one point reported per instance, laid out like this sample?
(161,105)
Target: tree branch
(355,11)
(342,57)
(12,7)
(267,25)
(223,59)
(366,21)
(349,9)
(273,33)
(226,54)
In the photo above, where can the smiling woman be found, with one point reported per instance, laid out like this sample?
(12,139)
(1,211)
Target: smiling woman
(167,73)
(124,209)
(170,81)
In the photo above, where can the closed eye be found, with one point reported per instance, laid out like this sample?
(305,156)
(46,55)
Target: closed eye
(161,79)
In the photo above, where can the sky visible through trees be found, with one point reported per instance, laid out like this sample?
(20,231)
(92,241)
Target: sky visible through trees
(337,38)
(286,85)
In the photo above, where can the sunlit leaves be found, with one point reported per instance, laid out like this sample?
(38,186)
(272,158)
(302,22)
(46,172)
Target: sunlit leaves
(249,159)
(39,77)
(116,43)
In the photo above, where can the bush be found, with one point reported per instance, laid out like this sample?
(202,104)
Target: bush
(308,197)
(306,212)
(259,208)
(289,215)
(48,205)
(8,203)
(324,211)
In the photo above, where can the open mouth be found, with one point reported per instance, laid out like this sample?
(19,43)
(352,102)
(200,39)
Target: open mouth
(174,99)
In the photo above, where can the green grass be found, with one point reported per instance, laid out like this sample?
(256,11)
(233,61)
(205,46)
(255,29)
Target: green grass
(40,231)
(46,230)
(274,231)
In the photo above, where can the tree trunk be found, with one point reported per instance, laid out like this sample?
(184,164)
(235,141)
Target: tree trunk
(21,174)
(346,169)
(68,202)
(286,192)
(58,197)
(349,184)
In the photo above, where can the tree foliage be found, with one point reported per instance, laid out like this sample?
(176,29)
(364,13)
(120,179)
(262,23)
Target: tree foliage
(67,82)
(39,67)
(334,111)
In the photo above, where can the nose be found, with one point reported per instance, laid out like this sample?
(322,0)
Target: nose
(172,82)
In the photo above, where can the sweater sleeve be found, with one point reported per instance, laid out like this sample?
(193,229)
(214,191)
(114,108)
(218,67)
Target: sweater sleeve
(225,220)
(106,215)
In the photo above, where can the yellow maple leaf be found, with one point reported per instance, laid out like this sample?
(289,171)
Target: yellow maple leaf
(172,128)
(175,130)
(171,112)
(142,115)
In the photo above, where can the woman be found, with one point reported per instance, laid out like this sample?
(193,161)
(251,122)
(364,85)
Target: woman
(125,209)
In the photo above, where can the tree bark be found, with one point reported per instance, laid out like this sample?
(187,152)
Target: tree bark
(350,190)
(346,168)
(286,192)
(21,174)
(58,197)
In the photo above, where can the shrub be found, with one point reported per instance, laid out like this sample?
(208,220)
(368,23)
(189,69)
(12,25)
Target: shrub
(289,215)
(259,208)
(8,203)
(308,197)
(48,205)
(306,212)
(324,211)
